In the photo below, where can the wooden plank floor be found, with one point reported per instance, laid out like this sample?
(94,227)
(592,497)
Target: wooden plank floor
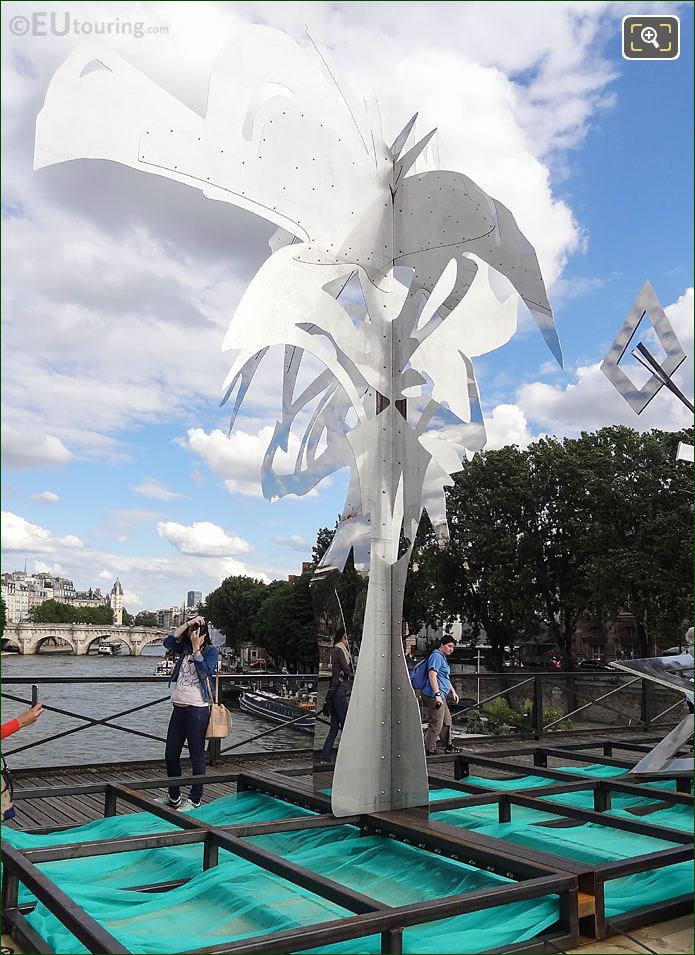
(77,809)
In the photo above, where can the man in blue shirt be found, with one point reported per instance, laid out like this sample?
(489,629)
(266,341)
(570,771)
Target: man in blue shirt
(436,693)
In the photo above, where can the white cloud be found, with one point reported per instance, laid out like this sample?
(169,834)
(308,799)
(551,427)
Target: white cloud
(41,567)
(507,425)
(20,535)
(132,601)
(119,521)
(235,458)
(155,489)
(589,401)
(294,542)
(46,497)
(202,539)
(156,579)
(29,449)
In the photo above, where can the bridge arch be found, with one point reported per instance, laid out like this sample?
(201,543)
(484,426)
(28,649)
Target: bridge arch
(35,646)
(108,637)
(154,638)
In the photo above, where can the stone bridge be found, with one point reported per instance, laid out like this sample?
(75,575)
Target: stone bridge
(30,636)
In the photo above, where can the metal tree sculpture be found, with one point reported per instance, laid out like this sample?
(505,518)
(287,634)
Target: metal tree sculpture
(285,138)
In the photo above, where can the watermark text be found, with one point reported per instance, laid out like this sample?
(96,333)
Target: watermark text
(54,23)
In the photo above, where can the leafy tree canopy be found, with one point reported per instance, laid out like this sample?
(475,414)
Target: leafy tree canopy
(52,611)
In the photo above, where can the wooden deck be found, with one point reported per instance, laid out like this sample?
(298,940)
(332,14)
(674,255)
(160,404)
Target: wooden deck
(74,810)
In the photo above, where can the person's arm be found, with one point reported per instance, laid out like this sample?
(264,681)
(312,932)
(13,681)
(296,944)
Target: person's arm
(434,683)
(344,661)
(205,659)
(432,676)
(25,718)
(10,727)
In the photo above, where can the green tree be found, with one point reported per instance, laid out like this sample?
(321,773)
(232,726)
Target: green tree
(145,618)
(485,574)
(644,510)
(233,606)
(94,615)
(51,611)
(422,604)
(284,624)
(127,618)
(572,529)
(3,616)
(563,536)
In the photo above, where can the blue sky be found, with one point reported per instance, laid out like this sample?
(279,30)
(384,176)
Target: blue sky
(118,287)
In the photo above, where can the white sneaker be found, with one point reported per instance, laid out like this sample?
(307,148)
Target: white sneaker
(166,801)
(187,805)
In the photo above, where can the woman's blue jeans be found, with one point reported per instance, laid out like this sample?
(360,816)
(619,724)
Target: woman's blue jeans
(341,701)
(187,725)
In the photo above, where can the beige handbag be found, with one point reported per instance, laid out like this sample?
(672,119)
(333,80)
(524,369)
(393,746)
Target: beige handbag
(220,722)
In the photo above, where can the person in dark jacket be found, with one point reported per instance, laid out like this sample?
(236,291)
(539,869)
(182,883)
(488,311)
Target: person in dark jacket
(191,696)
(341,687)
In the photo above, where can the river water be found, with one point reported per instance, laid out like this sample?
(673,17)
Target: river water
(99,744)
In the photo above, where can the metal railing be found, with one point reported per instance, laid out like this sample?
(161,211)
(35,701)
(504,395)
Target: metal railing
(242,681)
(580,690)
(547,701)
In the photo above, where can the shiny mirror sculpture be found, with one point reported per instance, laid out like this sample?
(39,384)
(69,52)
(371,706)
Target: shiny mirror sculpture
(439,267)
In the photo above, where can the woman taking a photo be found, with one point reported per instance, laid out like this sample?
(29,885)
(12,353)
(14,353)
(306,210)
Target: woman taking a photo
(191,695)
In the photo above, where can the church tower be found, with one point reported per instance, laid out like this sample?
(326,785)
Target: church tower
(116,602)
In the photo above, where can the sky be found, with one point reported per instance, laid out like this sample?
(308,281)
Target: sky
(118,287)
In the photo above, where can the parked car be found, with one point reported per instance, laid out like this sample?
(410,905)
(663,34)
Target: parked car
(594,665)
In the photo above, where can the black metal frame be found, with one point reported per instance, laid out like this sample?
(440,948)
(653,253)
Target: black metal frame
(371,916)
(536,873)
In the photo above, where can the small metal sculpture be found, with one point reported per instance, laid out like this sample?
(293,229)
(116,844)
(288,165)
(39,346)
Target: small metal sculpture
(441,267)
(647,304)
(676,673)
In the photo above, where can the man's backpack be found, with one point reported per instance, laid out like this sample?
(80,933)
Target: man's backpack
(419,678)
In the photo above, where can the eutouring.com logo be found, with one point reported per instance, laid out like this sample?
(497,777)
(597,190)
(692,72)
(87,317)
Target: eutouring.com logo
(55,23)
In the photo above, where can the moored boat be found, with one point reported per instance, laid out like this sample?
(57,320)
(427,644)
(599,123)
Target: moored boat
(164,667)
(281,709)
